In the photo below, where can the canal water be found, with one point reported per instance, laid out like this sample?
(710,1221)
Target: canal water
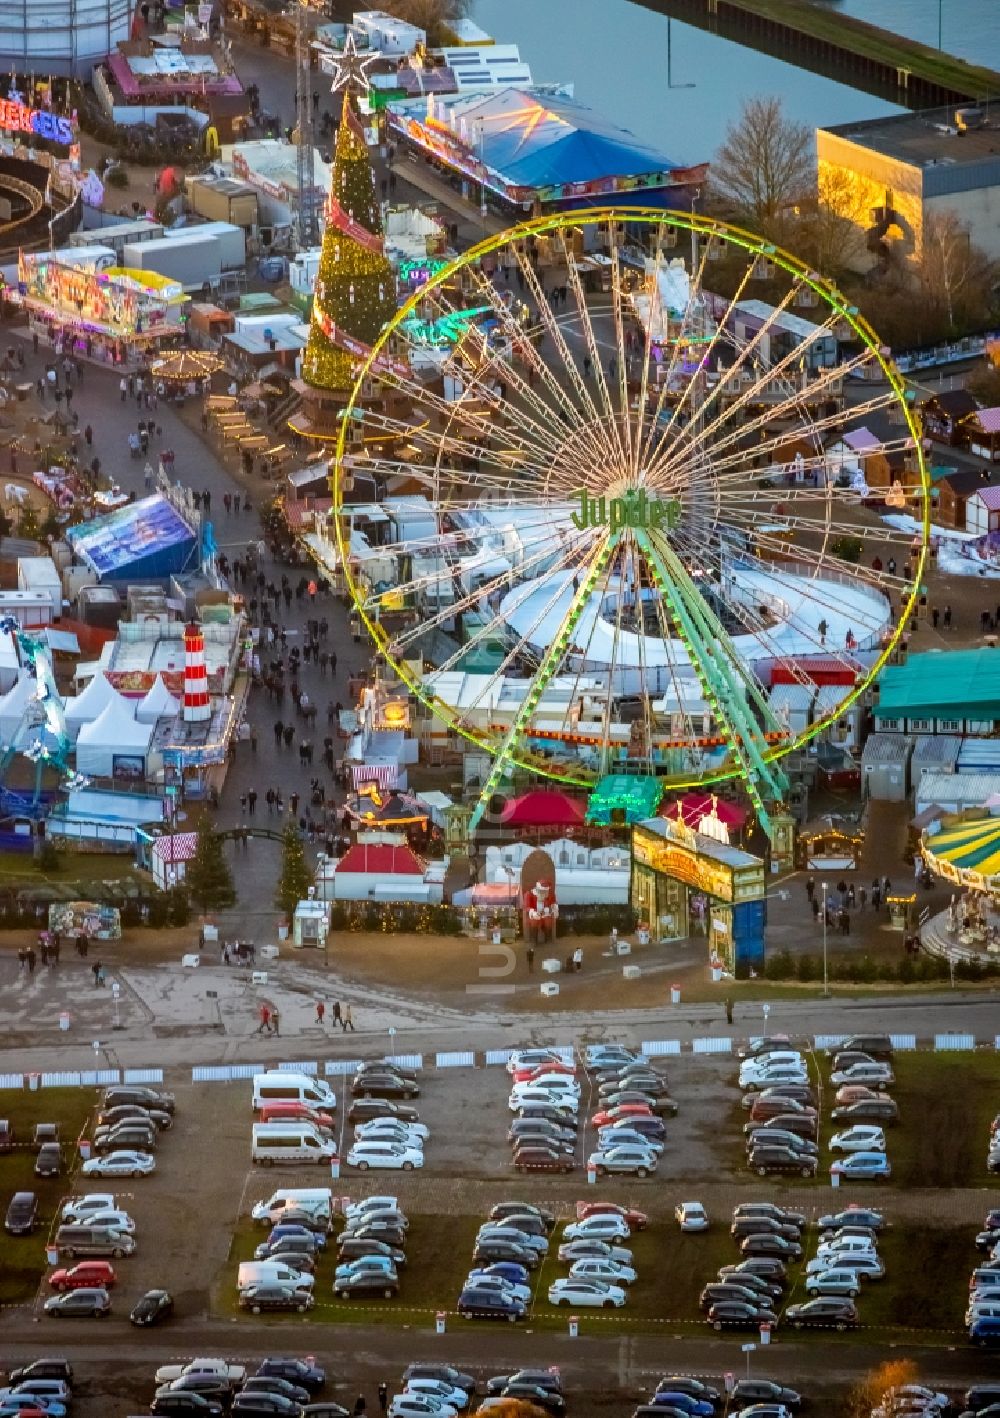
(615,52)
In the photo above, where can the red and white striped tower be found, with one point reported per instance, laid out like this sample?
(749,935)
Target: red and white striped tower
(196,702)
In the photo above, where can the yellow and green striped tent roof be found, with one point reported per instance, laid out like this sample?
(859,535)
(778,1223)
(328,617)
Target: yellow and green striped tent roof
(969,846)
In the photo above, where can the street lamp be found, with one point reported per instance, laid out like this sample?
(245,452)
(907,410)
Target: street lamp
(826,992)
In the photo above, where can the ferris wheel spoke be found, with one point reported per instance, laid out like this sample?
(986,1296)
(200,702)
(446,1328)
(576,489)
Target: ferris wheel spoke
(593,353)
(629,433)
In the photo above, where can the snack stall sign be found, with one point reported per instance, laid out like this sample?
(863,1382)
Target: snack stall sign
(686,864)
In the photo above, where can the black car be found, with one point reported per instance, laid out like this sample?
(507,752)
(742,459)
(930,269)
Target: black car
(133,1113)
(443,1373)
(775,1279)
(42,1369)
(275,1383)
(803,1124)
(22,1214)
(353,1247)
(868,1110)
(539,1130)
(877,1046)
(827,1311)
(375,1281)
(548,1379)
(384,1084)
(646,1082)
(484,1304)
(185,1405)
(521,1218)
(648,1127)
(384,1065)
(307,1375)
(548,1112)
(976,1398)
(488,1251)
(768,1135)
(529,1157)
(325,1410)
(155,1305)
(694,1388)
(762,1226)
(276,1297)
(763,1245)
(137,1097)
(376,1230)
(663,1106)
(767,1159)
(737,1314)
(126,1138)
(209,1385)
(364,1110)
(766,1290)
(48,1163)
(719,1291)
(265,1405)
(844,1058)
(852,1216)
(768,1208)
(749,1391)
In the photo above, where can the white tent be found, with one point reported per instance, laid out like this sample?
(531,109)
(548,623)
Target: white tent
(158,703)
(115,744)
(88,706)
(13,704)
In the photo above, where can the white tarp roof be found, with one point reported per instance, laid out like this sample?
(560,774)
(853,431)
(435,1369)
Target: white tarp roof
(116,727)
(13,706)
(86,707)
(158,703)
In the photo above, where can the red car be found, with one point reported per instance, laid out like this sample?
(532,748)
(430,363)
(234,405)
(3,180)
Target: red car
(86,1273)
(637,1220)
(623,1110)
(279,1112)
(528,1075)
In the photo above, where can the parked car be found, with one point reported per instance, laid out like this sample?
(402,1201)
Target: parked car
(353,1247)
(868,1110)
(624,1159)
(132,1112)
(746,1391)
(738,1314)
(138,1094)
(835,1281)
(260,1298)
(86,1274)
(490,1249)
(607,1226)
(775,1246)
(362,1278)
(122,1162)
(767,1158)
(852,1216)
(593,1294)
(594,1250)
(866,1265)
(48,1163)
(166,1404)
(870,1166)
(660,1104)
(539,1157)
(769,1208)
(691,1216)
(477,1303)
(364,1109)
(767,1135)
(827,1311)
(610,1271)
(486,1278)
(76,1304)
(872,1074)
(152,1308)
(863,1137)
(878,1046)
(22,1214)
(303,1372)
(383,1083)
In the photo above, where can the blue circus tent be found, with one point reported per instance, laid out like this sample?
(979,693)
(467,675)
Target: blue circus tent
(144,540)
(531,139)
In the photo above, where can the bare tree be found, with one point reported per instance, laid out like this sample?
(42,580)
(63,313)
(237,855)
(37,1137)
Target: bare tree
(877,1383)
(765,168)
(832,230)
(954,276)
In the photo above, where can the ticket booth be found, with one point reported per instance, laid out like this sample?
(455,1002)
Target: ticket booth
(687,884)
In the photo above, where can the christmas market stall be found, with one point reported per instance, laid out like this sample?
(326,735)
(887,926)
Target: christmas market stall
(688,884)
(119,316)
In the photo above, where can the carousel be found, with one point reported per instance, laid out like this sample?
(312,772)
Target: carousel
(966,852)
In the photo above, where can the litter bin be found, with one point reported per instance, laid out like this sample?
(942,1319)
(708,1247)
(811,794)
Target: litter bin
(439,1321)
(335,1169)
(765,1333)
(64,1020)
(574,1326)
(675,994)
(34,1081)
(591,1174)
(84,1145)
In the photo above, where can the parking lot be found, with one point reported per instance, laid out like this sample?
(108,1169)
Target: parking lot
(193,1227)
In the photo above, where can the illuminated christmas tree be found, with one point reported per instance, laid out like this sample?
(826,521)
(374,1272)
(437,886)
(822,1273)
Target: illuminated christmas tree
(355,288)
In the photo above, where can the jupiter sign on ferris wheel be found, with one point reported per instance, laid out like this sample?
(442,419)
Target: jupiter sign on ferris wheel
(608,518)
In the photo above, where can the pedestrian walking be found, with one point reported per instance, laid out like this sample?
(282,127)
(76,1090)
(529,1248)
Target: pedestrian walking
(275,1021)
(320,1011)
(729,1010)
(347,1019)
(383,1396)
(529,955)
(123,386)
(935,617)
(947,617)
(32,960)
(335,1014)
(96,972)
(252,801)
(360,1407)
(279,730)
(264,1027)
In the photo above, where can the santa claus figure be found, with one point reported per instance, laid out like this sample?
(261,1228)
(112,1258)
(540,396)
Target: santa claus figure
(541,912)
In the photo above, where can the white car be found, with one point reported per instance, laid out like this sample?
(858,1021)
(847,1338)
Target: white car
(483,1279)
(624,1159)
(420,1405)
(399,1132)
(357,1209)
(691,1216)
(607,1270)
(832,1254)
(864,1137)
(393,1156)
(591,1293)
(530,1094)
(834,1282)
(568,1082)
(435,1388)
(605,1226)
(117,1220)
(120,1164)
(771,1063)
(378,1126)
(772,1077)
(80,1208)
(533,1058)
(594,1250)
(867,1266)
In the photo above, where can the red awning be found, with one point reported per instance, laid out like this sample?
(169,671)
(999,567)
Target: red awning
(544,808)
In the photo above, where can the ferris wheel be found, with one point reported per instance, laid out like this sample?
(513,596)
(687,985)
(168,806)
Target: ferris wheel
(589,495)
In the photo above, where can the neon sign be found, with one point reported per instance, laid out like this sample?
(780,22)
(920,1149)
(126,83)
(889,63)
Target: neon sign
(19,118)
(635,509)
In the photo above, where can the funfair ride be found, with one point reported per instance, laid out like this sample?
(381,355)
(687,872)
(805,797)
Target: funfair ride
(607,516)
(40,737)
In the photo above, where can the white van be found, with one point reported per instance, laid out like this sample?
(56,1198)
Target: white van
(290,1142)
(292,1088)
(272,1272)
(317,1201)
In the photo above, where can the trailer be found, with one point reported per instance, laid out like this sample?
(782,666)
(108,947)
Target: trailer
(194,262)
(118,236)
(231,240)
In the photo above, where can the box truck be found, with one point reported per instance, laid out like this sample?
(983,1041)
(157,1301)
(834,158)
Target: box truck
(194,262)
(118,236)
(231,241)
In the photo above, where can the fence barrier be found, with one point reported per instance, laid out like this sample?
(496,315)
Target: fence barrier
(312,1069)
(498,1056)
(903,1041)
(340,1068)
(143,1075)
(406,1060)
(659,1048)
(954,1041)
(11,1080)
(466,1060)
(712,1046)
(829,1041)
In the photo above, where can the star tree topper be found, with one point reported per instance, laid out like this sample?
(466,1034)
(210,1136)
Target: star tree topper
(350,69)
